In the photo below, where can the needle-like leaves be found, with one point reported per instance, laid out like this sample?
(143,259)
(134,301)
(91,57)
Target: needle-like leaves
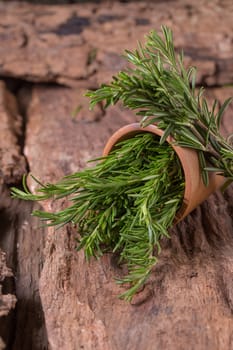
(127,202)
(124,204)
(163,91)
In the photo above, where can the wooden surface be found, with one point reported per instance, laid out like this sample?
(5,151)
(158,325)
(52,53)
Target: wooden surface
(63,302)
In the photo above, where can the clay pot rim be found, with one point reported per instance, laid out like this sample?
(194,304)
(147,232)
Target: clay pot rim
(132,129)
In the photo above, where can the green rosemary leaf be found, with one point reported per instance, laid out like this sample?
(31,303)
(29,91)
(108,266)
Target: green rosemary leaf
(204,172)
(192,73)
(226,184)
(167,132)
(212,169)
(188,139)
(221,111)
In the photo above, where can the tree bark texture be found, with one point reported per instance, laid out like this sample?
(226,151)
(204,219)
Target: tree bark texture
(49,55)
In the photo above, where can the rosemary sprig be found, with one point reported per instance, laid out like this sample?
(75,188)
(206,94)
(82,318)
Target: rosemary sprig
(163,91)
(124,204)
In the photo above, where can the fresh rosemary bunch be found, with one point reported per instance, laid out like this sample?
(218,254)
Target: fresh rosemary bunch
(123,204)
(163,91)
(128,200)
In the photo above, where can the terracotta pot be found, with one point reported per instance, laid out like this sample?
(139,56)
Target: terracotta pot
(195,190)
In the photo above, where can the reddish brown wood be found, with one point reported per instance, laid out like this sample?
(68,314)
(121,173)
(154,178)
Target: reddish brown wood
(63,302)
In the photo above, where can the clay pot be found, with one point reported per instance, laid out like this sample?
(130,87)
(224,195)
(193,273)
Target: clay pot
(195,190)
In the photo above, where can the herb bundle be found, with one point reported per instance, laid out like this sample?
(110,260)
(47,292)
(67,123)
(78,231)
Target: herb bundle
(127,202)
(124,204)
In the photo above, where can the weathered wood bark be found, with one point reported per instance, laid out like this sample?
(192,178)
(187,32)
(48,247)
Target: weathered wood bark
(20,238)
(7,301)
(63,301)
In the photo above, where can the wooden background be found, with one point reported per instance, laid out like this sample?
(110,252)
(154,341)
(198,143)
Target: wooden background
(49,56)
